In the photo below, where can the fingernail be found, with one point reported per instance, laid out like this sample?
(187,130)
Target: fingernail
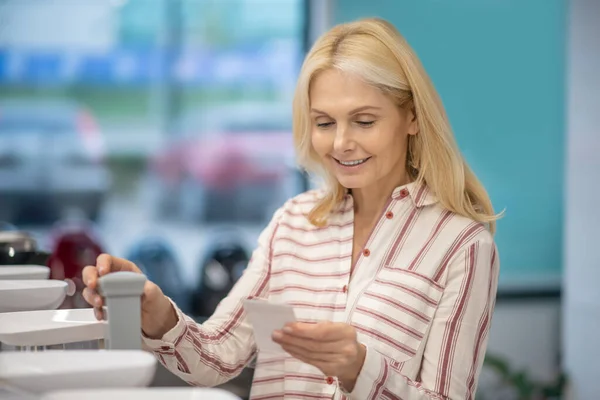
(97,302)
(287,329)
(277,335)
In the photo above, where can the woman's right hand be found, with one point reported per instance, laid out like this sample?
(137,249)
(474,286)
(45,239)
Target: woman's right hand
(158,314)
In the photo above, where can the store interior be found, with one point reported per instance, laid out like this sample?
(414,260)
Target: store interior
(160,131)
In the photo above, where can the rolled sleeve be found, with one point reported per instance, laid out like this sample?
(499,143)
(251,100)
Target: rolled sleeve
(170,338)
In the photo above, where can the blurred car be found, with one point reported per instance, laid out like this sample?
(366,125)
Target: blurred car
(51,159)
(158,261)
(74,244)
(225,163)
(20,248)
(223,264)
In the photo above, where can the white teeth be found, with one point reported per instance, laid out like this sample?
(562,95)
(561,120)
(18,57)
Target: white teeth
(352,163)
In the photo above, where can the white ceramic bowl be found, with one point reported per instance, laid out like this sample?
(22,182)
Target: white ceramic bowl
(54,370)
(50,327)
(143,394)
(21,272)
(28,295)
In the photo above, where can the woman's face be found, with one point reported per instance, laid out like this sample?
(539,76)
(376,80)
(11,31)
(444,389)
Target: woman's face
(359,133)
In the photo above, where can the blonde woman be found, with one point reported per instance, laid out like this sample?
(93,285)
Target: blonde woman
(392,268)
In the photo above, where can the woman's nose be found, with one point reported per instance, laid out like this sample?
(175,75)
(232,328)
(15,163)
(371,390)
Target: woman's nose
(342,141)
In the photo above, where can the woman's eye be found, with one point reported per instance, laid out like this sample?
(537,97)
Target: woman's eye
(324,124)
(365,123)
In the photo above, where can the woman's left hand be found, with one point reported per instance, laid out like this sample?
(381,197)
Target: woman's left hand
(330,346)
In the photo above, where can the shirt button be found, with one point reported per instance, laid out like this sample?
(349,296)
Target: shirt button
(345,288)
(389,215)
(403,193)
(366,252)
(329,380)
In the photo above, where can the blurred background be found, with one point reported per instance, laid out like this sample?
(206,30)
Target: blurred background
(160,131)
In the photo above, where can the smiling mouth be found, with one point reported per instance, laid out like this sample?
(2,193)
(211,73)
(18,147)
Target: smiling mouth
(352,163)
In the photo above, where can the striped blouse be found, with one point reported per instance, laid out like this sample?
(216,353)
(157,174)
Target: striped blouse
(421,299)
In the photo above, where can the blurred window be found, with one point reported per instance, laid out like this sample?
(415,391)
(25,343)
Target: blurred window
(148,118)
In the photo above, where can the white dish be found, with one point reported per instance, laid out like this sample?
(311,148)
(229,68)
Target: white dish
(24,272)
(28,295)
(54,370)
(143,394)
(50,327)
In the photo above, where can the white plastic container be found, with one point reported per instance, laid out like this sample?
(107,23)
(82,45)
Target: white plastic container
(143,394)
(21,272)
(54,370)
(28,295)
(33,329)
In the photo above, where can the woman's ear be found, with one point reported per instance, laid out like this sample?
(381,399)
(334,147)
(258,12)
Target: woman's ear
(413,127)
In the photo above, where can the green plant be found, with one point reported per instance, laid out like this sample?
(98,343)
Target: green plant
(519,384)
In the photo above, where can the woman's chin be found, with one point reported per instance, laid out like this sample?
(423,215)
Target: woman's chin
(351,182)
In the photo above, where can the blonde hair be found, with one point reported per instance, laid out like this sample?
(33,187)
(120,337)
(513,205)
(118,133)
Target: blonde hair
(374,50)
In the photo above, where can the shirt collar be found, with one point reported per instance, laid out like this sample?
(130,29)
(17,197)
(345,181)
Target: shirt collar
(420,194)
